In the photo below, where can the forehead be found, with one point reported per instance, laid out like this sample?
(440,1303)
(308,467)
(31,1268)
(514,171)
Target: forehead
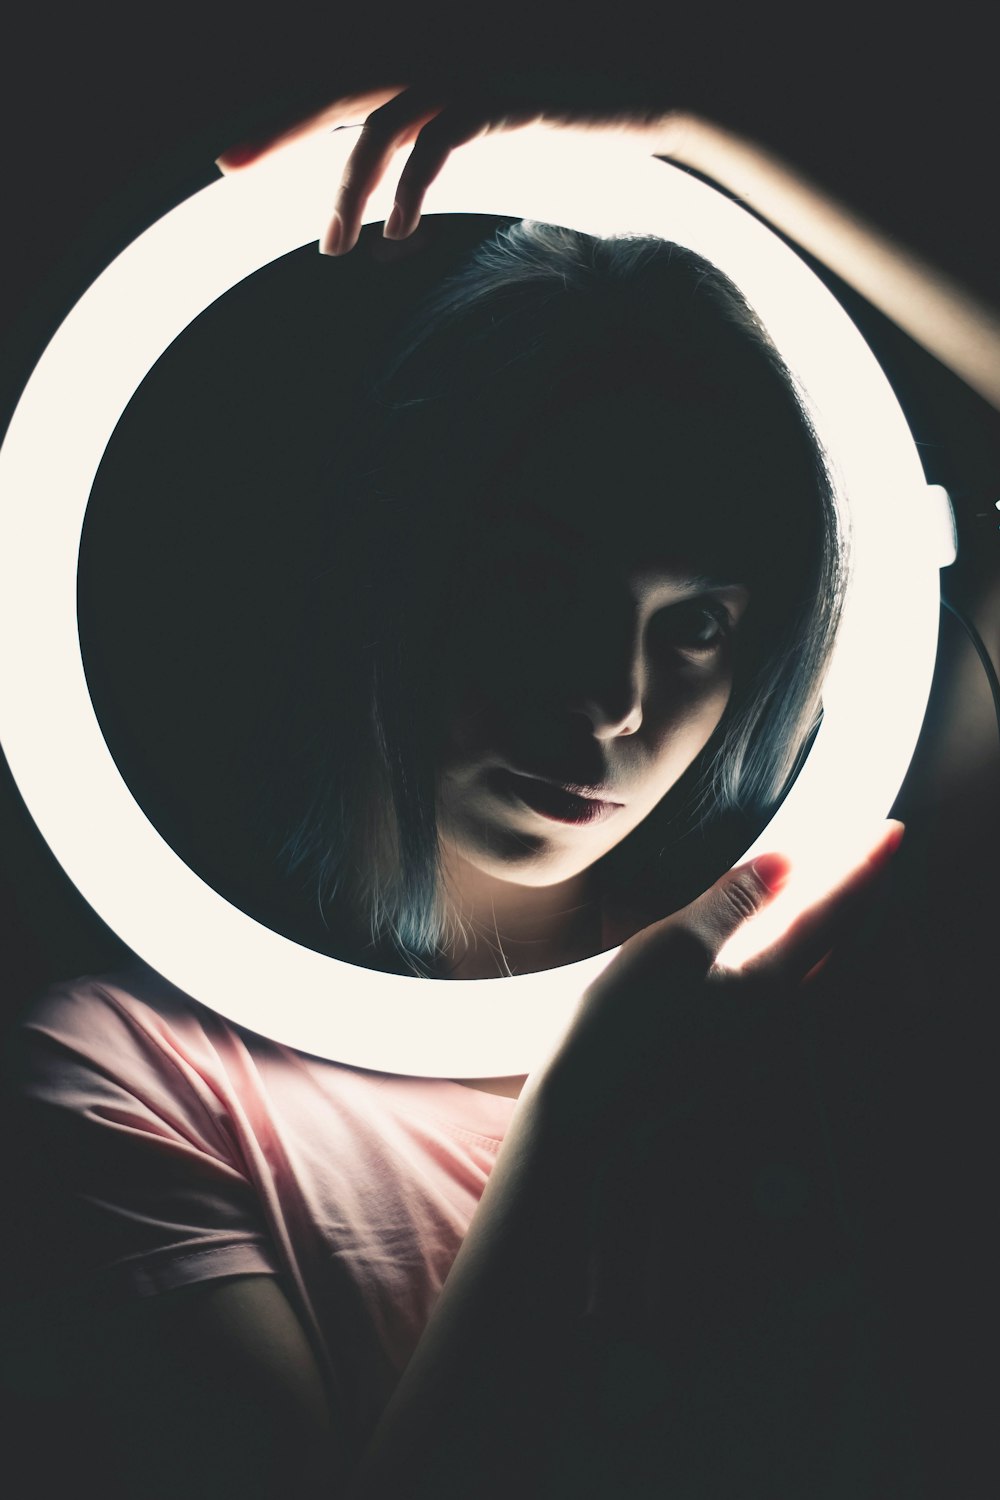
(627,475)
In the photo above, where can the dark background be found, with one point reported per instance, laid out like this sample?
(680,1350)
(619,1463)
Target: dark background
(110,116)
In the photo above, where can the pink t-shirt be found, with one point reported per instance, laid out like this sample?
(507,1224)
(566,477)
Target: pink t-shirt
(179,1148)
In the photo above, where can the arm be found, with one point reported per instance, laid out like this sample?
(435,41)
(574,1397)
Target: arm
(474,1405)
(211,1390)
(435,118)
(485,1401)
(148,1337)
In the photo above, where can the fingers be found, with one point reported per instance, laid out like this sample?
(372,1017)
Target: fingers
(418,116)
(453,127)
(395,116)
(802,950)
(384,133)
(712,919)
(653,999)
(348,109)
(427,114)
(694,936)
(434,144)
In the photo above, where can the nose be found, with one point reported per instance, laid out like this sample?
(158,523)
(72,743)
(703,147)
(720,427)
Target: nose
(611,684)
(605,722)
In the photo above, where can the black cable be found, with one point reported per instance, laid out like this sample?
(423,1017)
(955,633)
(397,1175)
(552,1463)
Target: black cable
(981,652)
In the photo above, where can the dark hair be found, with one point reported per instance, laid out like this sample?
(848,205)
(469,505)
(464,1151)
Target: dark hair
(541,317)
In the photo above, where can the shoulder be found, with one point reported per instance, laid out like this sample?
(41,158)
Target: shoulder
(136,997)
(118,1058)
(128,1021)
(134,1170)
(209,1388)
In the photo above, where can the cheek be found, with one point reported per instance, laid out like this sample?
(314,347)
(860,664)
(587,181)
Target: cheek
(499,673)
(682,720)
(470,721)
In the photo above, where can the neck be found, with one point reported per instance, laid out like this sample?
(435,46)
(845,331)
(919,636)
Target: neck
(505,928)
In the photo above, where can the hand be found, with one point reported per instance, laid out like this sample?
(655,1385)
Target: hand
(664,997)
(659,1078)
(434,117)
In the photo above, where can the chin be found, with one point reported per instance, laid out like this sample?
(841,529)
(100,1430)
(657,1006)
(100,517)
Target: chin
(537,877)
(518,856)
(519,865)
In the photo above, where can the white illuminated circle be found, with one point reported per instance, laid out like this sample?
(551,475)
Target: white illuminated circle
(875,694)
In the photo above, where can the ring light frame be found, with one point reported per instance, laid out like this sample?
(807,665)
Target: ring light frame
(875,693)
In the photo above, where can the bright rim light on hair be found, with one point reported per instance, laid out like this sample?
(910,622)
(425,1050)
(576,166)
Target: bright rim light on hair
(875,694)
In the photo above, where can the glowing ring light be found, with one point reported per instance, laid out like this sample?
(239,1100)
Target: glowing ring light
(875,693)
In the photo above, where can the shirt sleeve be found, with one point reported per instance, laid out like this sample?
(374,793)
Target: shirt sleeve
(128,1176)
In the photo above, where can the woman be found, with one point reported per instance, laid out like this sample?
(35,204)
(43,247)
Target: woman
(584,473)
(505,751)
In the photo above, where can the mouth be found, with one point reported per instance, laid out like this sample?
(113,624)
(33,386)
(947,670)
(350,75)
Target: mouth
(560,802)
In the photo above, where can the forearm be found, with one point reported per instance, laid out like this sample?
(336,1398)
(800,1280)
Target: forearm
(478,1398)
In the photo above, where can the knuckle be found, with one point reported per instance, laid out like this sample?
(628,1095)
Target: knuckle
(432,145)
(743,896)
(423,163)
(357,171)
(690,946)
(452,127)
(683,949)
(388,118)
(403,114)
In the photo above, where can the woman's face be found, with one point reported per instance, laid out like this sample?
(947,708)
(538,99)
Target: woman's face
(591,658)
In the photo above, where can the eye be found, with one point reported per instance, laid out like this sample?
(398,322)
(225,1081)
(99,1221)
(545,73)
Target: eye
(692,626)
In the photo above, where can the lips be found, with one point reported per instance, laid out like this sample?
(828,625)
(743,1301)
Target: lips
(560,802)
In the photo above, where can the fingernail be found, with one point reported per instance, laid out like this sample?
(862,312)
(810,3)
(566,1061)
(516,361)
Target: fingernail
(392,229)
(237,156)
(772,870)
(332,239)
(891,841)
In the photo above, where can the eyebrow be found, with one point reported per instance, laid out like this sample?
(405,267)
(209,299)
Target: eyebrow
(572,540)
(700,583)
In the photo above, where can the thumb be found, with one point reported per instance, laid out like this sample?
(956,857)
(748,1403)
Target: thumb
(690,940)
(711,920)
(652,995)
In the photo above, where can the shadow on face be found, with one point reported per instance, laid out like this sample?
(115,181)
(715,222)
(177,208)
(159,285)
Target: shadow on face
(592,642)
